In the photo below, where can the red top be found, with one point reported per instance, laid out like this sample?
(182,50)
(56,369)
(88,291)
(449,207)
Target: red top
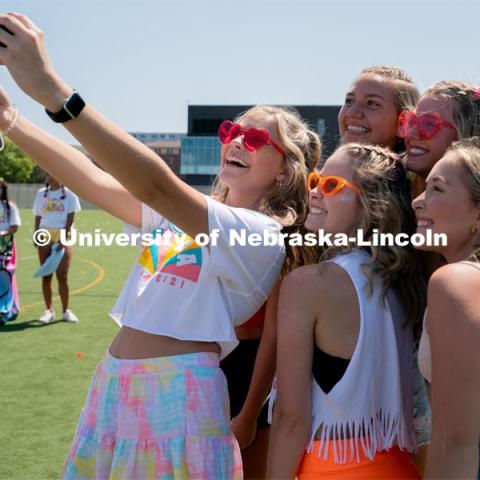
(257,320)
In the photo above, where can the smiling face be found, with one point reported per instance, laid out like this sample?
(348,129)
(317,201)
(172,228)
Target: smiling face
(369,114)
(423,154)
(339,213)
(249,175)
(446,207)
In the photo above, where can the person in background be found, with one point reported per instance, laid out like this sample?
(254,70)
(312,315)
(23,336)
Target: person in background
(9,223)
(54,209)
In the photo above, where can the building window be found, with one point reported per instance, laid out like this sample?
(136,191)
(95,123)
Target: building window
(321,126)
(200,155)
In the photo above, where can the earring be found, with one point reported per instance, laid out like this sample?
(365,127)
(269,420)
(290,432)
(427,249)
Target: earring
(278,183)
(475,230)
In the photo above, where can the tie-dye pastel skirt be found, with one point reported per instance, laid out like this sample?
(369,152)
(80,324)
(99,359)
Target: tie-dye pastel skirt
(156,418)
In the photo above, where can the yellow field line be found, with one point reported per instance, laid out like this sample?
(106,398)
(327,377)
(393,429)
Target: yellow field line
(101,274)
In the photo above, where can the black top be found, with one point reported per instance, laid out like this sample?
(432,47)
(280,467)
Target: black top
(327,369)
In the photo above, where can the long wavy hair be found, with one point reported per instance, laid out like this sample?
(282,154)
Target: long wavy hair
(385,199)
(287,202)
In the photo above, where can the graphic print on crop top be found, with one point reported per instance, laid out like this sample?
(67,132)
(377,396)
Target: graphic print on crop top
(53,205)
(174,260)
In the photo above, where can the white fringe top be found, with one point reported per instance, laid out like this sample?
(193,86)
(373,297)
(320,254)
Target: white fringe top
(372,404)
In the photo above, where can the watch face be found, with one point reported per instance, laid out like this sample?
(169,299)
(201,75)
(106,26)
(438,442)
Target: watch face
(74,105)
(72,108)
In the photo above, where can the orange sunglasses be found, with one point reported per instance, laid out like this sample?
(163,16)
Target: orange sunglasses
(329,185)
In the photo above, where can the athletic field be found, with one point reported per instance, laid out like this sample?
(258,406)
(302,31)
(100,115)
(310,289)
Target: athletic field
(45,369)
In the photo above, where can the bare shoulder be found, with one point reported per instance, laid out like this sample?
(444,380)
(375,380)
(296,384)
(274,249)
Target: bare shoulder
(455,280)
(453,293)
(318,281)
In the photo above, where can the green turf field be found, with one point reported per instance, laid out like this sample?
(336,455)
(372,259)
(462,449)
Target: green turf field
(43,382)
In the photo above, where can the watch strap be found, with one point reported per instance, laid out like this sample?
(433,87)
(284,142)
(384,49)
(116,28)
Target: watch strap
(71,108)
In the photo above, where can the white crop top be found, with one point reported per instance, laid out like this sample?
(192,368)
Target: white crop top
(424,351)
(187,292)
(372,403)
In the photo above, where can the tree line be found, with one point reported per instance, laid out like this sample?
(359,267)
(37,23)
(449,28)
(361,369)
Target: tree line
(17,167)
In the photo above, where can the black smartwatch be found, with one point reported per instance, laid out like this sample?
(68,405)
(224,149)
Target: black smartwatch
(72,108)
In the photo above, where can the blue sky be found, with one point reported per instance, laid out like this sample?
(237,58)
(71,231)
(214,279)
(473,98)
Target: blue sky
(142,62)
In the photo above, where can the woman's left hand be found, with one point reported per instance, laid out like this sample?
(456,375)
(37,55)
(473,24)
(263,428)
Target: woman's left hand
(244,430)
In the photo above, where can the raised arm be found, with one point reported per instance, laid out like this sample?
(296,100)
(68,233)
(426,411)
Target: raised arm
(134,165)
(453,323)
(71,167)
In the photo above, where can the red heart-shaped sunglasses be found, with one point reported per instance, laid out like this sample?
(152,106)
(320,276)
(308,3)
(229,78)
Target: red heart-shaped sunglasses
(253,138)
(427,124)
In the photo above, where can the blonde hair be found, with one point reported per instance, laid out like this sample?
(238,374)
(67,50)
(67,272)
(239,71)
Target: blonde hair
(405,93)
(287,203)
(385,200)
(464,101)
(468,152)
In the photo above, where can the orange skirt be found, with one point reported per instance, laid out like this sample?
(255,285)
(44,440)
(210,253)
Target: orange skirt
(389,464)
